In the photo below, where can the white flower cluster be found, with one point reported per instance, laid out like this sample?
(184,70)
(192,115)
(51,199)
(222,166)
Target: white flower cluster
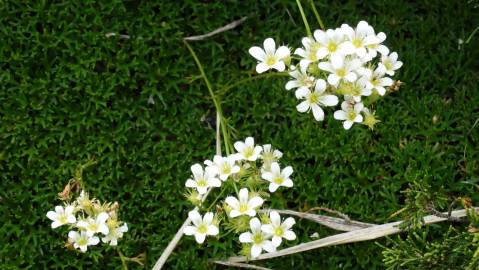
(348,63)
(253,168)
(91,219)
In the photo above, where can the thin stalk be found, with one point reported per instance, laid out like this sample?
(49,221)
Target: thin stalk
(216,199)
(321,24)
(212,94)
(122,258)
(305,21)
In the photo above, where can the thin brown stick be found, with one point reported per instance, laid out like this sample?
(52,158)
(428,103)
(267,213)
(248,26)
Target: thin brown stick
(241,265)
(344,216)
(366,234)
(330,222)
(217,31)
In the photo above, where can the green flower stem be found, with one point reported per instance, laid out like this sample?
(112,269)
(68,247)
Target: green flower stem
(305,21)
(321,24)
(212,94)
(216,199)
(223,90)
(123,259)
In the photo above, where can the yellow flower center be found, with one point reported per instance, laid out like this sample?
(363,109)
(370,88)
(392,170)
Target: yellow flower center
(270,60)
(278,231)
(93,227)
(258,238)
(388,65)
(278,180)
(341,72)
(351,115)
(357,43)
(332,47)
(202,182)
(243,208)
(313,98)
(356,90)
(63,218)
(248,152)
(82,241)
(202,228)
(225,168)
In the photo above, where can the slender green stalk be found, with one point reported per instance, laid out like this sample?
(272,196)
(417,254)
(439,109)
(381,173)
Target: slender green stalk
(245,80)
(212,94)
(305,21)
(216,199)
(321,24)
(123,259)
(473,33)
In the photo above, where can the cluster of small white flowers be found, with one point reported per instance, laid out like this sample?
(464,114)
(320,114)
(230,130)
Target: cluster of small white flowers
(237,167)
(348,63)
(89,220)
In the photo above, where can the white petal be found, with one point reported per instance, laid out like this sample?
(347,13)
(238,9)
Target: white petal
(333,79)
(255,225)
(268,246)
(340,115)
(257,53)
(337,60)
(358,119)
(275,218)
(195,217)
(279,66)
(200,238)
(288,223)
(262,67)
(212,230)
(269,46)
(302,92)
(351,77)
(249,141)
(202,190)
(59,209)
(232,201)
(289,235)
(251,212)
(189,230)
(303,106)
(326,66)
(102,217)
(275,169)
(320,86)
(246,237)
(282,52)
(318,113)
(197,169)
(267,228)
(347,124)
(255,251)
(300,52)
(255,202)
(272,187)
(329,100)
(71,219)
(234,213)
(347,48)
(304,63)
(56,224)
(190,183)
(73,235)
(287,183)
(287,172)
(208,218)
(214,182)
(103,228)
(267,176)
(291,84)
(276,241)
(243,195)
(239,146)
(52,215)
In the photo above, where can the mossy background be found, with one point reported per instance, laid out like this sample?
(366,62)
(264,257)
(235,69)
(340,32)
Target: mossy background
(68,93)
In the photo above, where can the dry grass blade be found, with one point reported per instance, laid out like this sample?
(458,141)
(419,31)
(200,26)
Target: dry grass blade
(369,233)
(217,31)
(241,265)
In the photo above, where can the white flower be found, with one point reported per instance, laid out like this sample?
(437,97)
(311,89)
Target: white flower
(315,99)
(373,49)
(349,113)
(96,225)
(342,71)
(390,63)
(245,205)
(332,45)
(247,150)
(357,89)
(202,179)
(301,80)
(309,52)
(258,238)
(82,240)
(278,177)
(62,216)
(224,166)
(361,37)
(269,58)
(269,156)
(279,230)
(201,226)
(115,234)
(375,80)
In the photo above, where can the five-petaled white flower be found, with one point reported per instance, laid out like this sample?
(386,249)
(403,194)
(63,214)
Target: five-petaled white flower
(375,80)
(96,225)
(269,156)
(82,240)
(245,205)
(301,79)
(350,114)
(278,177)
(201,226)
(390,63)
(258,238)
(361,37)
(315,99)
(202,179)
(308,53)
(224,166)
(332,45)
(115,234)
(279,230)
(247,150)
(62,216)
(342,71)
(269,57)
